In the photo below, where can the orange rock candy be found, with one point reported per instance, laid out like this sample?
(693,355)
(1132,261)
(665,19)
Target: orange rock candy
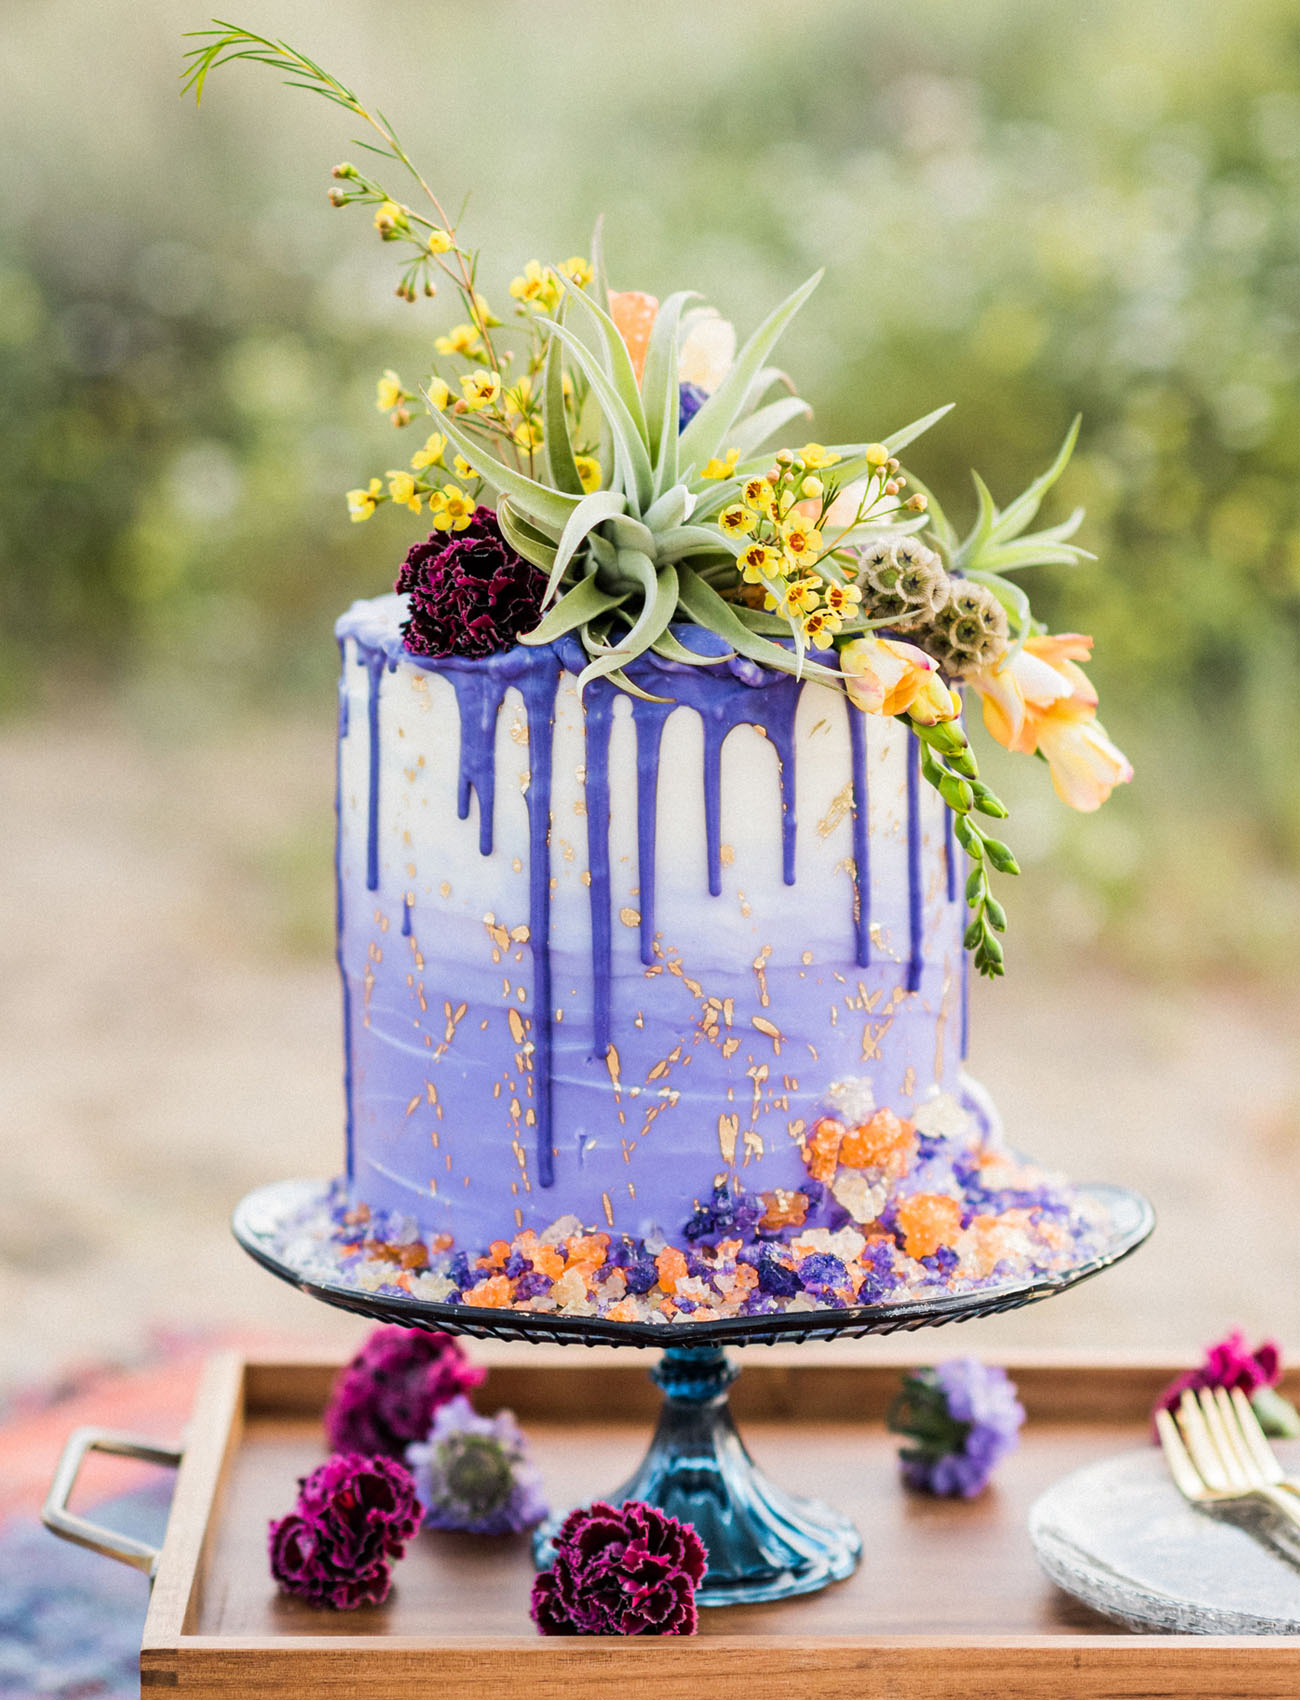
(821,1155)
(885,1142)
(928,1220)
(782,1209)
(672,1268)
(494,1293)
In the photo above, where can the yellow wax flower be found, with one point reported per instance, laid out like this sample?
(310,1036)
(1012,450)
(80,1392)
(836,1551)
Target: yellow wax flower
(462,468)
(813,455)
(390,392)
(439,395)
(757,563)
(460,339)
(362,503)
(451,509)
(716,468)
(527,434)
(736,521)
(756,493)
(820,628)
(843,599)
(402,490)
(536,288)
(440,240)
(577,270)
(480,389)
(431,454)
(801,543)
(588,471)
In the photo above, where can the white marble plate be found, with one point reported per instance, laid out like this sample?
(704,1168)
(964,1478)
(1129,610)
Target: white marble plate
(1120,1537)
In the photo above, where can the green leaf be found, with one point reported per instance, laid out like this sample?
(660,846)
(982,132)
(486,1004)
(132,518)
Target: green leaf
(750,434)
(1019,513)
(620,361)
(899,440)
(672,649)
(682,540)
(708,609)
(523,538)
(705,434)
(969,551)
(660,389)
(599,281)
(545,507)
(574,608)
(590,512)
(555,424)
(1029,552)
(668,510)
(660,606)
(630,451)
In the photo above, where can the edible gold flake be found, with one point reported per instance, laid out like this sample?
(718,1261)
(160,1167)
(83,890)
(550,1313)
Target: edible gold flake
(414,1105)
(608,1208)
(728,1133)
(726,854)
(445,888)
(630,917)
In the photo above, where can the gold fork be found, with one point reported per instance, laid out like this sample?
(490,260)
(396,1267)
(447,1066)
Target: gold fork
(1213,1459)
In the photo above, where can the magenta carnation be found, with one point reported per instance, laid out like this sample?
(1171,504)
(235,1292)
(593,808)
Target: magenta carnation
(353,1516)
(1228,1364)
(626,1571)
(386,1397)
(471,594)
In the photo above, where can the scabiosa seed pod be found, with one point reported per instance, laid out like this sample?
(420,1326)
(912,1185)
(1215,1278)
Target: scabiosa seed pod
(387,1396)
(474,1473)
(970,629)
(471,594)
(903,581)
(630,1570)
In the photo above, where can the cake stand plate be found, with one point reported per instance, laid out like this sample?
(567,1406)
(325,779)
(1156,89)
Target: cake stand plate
(761,1543)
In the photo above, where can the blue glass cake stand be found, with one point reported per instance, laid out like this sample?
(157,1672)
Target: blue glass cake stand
(762,1543)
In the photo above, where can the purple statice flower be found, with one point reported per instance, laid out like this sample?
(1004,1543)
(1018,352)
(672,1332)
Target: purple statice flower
(626,1571)
(386,1397)
(353,1517)
(960,1418)
(1229,1363)
(691,398)
(474,1473)
(471,594)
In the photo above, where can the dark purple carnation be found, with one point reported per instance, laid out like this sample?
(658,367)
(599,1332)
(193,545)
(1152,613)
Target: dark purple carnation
(353,1516)
(471,594)
(386,1397)
(626,1571)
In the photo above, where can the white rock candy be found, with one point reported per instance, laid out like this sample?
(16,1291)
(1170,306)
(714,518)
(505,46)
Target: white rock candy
(941,1117)
(847,1244)
(859,1197)
(560,1230)
(852,1099)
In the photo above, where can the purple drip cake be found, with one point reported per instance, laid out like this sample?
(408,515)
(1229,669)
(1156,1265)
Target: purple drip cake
(654,1007)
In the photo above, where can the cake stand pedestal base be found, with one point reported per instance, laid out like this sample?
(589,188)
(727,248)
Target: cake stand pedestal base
(762,1543)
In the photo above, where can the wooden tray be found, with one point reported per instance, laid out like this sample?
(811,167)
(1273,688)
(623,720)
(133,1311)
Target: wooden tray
(948,1600)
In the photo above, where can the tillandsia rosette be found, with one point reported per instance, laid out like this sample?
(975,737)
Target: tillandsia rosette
(959,1420)
(600,467)
(474,1473)
(1231,1364)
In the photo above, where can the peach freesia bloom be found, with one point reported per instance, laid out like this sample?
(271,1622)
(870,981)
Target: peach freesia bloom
(1041,699)
(634,313)
(887,676)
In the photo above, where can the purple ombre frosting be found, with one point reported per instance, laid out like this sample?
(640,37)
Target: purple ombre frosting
(598,955)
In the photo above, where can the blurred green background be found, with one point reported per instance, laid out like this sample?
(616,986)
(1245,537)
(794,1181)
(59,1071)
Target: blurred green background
(1025,207)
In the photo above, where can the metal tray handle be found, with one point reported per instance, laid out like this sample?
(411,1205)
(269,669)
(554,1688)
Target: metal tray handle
(70,1527)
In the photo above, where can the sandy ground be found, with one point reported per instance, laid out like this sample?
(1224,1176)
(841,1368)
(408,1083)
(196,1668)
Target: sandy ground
(169,1038)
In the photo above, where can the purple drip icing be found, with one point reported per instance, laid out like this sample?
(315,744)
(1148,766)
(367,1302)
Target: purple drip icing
(407,906)
(648,718)
(538,686)
(349,1159)
(949,856)
(915,913)
(861,839)
(478,698)
(965,1004)
(373,661)
(600,713)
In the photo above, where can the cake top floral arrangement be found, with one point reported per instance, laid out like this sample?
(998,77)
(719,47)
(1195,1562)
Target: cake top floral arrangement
(598,474)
